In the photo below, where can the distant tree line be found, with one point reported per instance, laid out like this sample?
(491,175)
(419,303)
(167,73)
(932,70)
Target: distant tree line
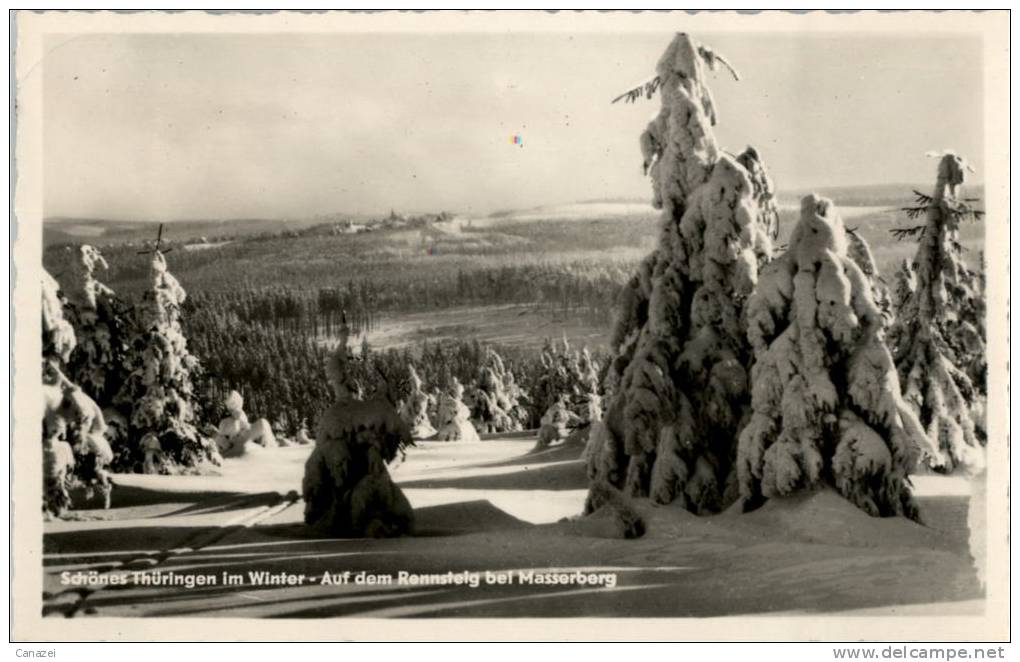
(281,375)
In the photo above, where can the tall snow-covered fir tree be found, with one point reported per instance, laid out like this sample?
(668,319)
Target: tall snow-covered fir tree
(58,342)
(938,337)
(158,392)
(102,324)
(678,384)
(826,402)
(73,424)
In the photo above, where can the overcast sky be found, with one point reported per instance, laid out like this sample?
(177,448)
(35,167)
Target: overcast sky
(166,127)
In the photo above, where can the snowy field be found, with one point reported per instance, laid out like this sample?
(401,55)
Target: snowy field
(521,325)
(495,506)
(582,211)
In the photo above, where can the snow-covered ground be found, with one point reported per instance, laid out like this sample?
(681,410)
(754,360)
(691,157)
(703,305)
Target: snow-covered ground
(207,245)
(83,230)
(847,212)
(493,505)
(582,211)
(520,325)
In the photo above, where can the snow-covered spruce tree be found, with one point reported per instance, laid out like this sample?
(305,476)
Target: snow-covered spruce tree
(346,487)
(586,405)
(102,324)
(453,415)
(938,337)
(678,384)
(826,403)
(158,392)
(555,377)
(58,342)
(568,374)
(569,389)
(72,421)
(415,410)
(519,399)
(495,400)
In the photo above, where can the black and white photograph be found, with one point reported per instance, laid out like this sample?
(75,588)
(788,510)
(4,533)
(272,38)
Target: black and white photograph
(631,326)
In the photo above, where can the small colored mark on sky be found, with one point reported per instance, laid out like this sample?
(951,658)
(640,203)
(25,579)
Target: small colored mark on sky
(518,140)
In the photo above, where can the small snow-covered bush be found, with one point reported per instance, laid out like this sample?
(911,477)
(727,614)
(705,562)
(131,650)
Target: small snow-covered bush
(495,401)
(346,487)
(570,378)
(236,435)
(557,423)
(415,410)
(454,416)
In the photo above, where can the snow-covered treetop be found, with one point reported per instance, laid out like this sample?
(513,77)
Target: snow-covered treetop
(167,289)
(88,260)
(682,63)
(819,229)
(678,148)
(162,306)
(234,403)
(339,373)
(494,362)
(683,66)
(951,175)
